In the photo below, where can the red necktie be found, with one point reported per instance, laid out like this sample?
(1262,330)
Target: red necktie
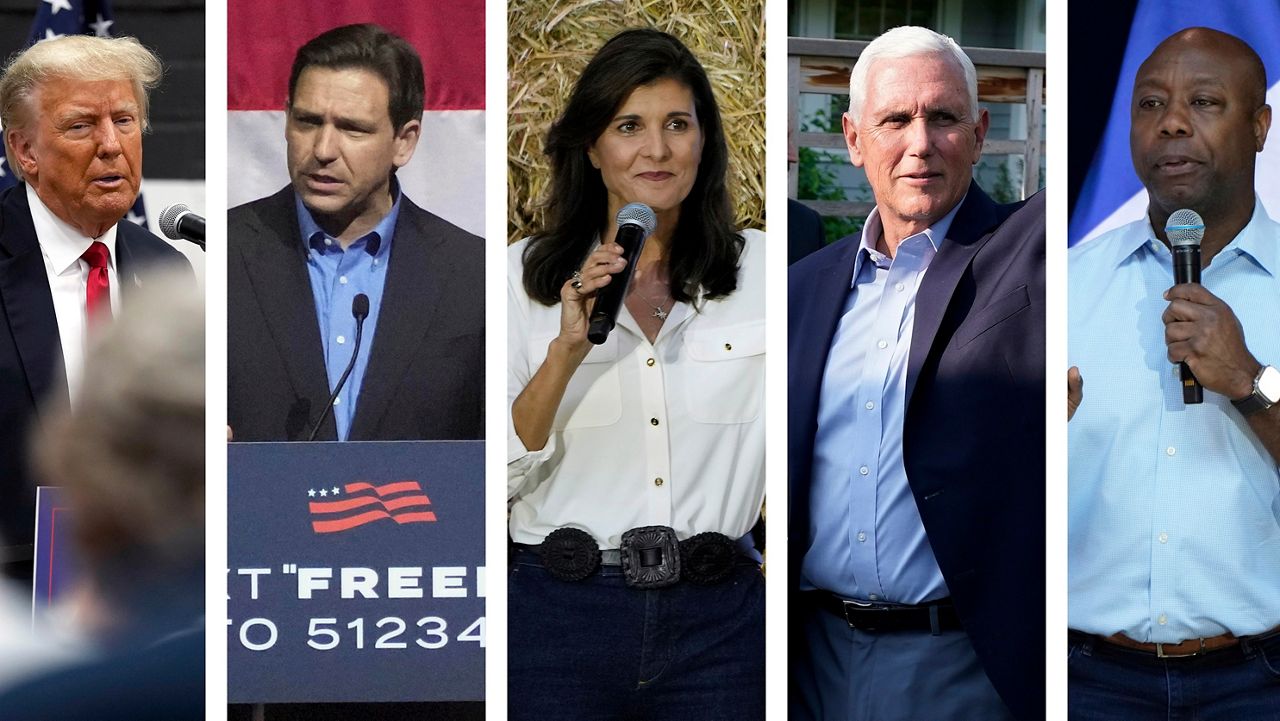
(97,294)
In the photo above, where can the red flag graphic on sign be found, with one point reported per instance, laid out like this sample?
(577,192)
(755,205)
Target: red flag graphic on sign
(402,502)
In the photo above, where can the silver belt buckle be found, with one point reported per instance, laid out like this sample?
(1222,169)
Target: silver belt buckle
(1161,654)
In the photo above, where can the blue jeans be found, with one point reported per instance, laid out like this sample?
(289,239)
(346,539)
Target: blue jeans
(597,650)
(1239,685)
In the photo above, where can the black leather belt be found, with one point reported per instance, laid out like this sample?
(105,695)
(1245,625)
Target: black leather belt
(650,556)
(935,616)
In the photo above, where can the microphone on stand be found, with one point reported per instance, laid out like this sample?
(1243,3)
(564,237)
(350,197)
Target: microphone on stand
(1185,230)
(636,222)
(359,309)
(177,222)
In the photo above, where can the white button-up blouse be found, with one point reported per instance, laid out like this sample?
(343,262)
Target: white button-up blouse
(663,434)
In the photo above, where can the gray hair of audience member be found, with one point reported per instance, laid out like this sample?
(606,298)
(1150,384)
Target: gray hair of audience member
(908,41)
(74,57)
(130,450)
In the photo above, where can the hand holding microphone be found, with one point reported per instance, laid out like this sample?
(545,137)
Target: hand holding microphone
(1185,230)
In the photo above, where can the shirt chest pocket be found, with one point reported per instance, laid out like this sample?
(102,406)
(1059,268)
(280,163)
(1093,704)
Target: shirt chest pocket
(724,375)
(594,395)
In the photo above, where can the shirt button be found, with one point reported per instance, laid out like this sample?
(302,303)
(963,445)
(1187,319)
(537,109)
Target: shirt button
(872,597)
(328,241)
(342,339)
(377,262)
(342,279)
(1163,620)
(337,401)
(1164,537)
(650,362)
(1170,450)
(864,470)
(899,287)
(657,482)
(882,344)
(653,421)
(862,537)
(728,346)
(871,405)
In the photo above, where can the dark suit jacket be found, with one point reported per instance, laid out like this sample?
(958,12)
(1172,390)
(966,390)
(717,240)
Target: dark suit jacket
(974,440)
(805,232)
(31,370)
(425,376)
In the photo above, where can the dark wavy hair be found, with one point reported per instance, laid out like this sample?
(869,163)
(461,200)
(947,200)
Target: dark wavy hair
(706,246)
(369,47)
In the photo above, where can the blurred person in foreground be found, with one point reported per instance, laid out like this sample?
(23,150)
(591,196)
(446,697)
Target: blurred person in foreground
(1173,509)
(74,110)
(342,228)
(916,417)
(650,446)
(130,458)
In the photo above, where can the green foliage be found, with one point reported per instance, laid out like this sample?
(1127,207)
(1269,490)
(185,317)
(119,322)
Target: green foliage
(816,181)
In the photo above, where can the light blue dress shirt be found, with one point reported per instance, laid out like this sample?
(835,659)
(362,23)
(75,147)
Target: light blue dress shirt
(866,540)
(1174,510)
(337,277)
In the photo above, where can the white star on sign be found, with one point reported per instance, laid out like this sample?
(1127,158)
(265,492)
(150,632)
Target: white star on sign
(136,219)
(49,34)
(101,27)
(311,493)
(335,490)
(58,5)
(323,493)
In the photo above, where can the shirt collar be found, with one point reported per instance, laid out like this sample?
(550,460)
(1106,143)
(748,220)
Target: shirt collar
(376,242)
(872,229)
(1259,239)
(62,242)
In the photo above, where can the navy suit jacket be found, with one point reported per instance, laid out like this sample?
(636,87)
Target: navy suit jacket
(425,376)
(974,441)
(32,376)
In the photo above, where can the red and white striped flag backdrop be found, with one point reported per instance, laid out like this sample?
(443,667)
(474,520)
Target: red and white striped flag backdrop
(446,175)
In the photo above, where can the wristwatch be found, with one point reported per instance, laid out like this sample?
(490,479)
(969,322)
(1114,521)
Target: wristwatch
(1266,392)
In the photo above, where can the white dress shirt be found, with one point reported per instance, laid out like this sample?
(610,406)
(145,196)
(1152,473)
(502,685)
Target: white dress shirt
(669,433)
(61,246)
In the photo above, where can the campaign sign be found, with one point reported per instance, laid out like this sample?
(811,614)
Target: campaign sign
(54,556)
(356,572)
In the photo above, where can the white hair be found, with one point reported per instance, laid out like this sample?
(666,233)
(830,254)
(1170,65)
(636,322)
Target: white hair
(908,41)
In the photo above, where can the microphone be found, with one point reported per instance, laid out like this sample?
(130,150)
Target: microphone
(177,222)
(636,222)
(359,309)
(1185,230)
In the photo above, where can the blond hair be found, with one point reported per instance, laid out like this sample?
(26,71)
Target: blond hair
(76,57)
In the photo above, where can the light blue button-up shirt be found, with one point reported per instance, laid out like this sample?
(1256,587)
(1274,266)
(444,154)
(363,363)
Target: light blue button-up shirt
(337,277)
(866,538)
(1174,510)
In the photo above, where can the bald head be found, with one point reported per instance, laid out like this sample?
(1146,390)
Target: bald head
(1239,62)
(1198,120)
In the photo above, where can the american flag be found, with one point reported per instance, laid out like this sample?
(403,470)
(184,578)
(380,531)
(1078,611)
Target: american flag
(360,503)
(54,19)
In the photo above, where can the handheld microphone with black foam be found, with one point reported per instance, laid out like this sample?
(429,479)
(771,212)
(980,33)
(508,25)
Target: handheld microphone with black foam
(359,309)
(177,222)
(636,222)
(1185,230)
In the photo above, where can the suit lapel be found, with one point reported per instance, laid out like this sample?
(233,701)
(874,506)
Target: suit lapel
(821,312)
(969,231)
(27,300)
(276,265)
(416,280)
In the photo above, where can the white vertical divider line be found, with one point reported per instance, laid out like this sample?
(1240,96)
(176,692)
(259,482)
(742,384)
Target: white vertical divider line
(495,298)
(1056,360)
(215,290)
(776,662)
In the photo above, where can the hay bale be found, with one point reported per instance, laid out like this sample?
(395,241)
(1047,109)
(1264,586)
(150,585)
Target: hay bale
(549,44)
